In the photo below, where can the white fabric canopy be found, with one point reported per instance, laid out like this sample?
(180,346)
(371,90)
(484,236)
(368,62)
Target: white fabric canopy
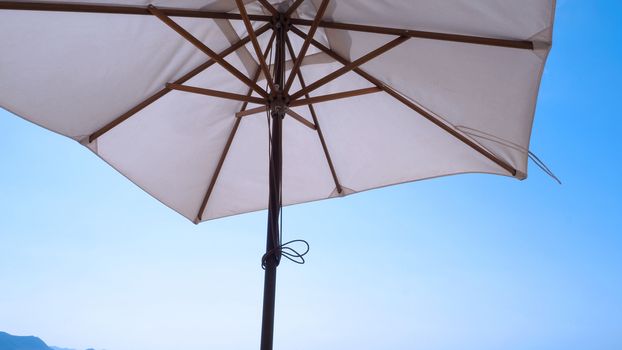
(74,73)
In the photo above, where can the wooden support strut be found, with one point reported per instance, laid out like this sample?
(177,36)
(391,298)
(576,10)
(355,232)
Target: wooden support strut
(213,55)
(335,96)
(268,6)
(234,130)
(251,111)
(350,66)
(297,117)
(305,45)
(251,33)
(467,39)
(420,110)
(121,10)
(216,93)
(315,121)
(293,8)
(161,93)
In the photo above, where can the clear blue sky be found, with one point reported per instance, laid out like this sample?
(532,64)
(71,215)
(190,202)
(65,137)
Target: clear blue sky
(465,262)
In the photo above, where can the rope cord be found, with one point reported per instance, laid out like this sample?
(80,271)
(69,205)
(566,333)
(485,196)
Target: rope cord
(543,166)
(284,250)
(486,136)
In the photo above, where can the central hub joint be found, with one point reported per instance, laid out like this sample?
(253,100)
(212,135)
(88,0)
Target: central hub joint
(279,21)
(278,103)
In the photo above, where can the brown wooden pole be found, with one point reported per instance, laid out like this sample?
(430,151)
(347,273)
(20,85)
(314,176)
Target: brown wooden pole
(273,242)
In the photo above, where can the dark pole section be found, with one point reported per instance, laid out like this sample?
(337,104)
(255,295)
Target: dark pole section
(277,111)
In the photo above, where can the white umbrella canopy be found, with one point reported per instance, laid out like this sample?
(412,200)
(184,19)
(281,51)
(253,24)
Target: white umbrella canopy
(78,71)
(208,107)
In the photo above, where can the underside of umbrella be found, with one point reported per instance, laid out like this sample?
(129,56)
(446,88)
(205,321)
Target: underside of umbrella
(220,107)
(394,91)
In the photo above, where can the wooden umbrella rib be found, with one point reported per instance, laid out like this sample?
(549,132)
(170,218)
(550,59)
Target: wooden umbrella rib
(350,66)
(216,93)
(198,44)
(468,39)
(334,96)
(251,34)
(293,8)
(256,110)
(121,10)
(176,12)
(268,6)
(234,130)
(421,111)
(305,45)
(166,90)
(221,161)
(297,117)
(315,121)
(258,71)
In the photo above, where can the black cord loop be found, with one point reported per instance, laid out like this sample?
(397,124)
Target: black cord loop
(284,250)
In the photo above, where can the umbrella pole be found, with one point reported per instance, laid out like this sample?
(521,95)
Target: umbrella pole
(273,249)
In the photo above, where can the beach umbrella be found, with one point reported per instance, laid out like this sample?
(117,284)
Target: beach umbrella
(221,107)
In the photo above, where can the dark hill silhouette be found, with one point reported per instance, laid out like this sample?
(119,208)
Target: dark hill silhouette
(13,342)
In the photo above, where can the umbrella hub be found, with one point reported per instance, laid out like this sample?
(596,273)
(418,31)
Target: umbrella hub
(278,102)
(280,20)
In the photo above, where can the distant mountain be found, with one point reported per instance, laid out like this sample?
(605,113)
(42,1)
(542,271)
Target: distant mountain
(57,348)
(13,342)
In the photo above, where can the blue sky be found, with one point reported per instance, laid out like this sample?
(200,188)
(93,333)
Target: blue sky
(465,262)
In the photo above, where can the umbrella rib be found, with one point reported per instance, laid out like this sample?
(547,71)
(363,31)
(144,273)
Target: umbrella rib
(315,121)
(268,6)
(247,112)
(122,10)
(349,66)
(177,12)
(234,130)
(166,90)
(297,117)
(216,93)
(221,161)
(334,96)
(305,45)
(421,111)
(213,55)
(293,8)
(468,39)
(251,34)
